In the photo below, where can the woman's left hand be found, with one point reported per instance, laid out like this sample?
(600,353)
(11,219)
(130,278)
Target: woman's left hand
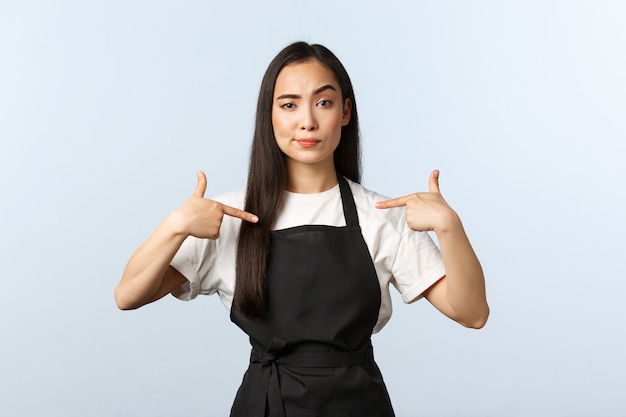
(425,211)
(460,294)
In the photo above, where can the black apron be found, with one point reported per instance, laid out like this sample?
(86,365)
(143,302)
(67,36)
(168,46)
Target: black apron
(312,354)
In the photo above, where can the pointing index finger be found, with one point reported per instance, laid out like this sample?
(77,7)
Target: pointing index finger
(394,202)
(240,214)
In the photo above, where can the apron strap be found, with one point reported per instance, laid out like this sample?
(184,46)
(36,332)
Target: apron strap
(273,357)
(269,379)
(349,207)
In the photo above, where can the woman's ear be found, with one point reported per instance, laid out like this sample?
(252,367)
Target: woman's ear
(347,111)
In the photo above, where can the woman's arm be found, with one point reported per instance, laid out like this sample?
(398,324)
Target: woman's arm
(460,294)
(148,275)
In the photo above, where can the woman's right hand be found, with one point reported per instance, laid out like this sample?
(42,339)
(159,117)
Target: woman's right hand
(148,275)
(201,217)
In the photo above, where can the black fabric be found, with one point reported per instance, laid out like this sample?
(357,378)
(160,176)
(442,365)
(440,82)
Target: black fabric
(312,354)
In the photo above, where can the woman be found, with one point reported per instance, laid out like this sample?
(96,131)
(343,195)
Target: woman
(312,253)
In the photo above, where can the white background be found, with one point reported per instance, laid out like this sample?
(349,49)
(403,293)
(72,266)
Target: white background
(108,108)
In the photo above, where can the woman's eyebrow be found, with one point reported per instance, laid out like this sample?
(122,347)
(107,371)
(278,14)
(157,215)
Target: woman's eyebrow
(315,92)
(324,88)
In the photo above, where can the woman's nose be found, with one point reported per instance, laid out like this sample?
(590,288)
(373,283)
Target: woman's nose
(309,121)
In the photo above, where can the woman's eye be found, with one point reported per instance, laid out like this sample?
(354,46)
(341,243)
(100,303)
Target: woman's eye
(288,106)
(324,103)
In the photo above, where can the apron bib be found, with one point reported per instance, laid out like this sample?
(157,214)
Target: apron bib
(312,354)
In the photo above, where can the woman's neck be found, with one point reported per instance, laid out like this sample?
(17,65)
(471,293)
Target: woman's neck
(310,178)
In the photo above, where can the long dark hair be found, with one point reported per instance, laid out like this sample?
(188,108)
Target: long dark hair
(267,175)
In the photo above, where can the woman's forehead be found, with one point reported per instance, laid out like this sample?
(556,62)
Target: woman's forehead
(304,77)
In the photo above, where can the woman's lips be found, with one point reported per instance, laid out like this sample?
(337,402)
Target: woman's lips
(307,143)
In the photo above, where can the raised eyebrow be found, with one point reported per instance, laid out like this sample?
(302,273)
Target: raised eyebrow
(324,88)
(315,92)
(288,96)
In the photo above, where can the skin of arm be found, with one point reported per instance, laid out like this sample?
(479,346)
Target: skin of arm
(460,294)
(148,275)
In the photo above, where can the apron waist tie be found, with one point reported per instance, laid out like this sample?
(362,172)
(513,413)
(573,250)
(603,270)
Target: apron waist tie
(270,392)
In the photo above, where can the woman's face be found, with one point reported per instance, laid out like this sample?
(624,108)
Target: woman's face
(308,113)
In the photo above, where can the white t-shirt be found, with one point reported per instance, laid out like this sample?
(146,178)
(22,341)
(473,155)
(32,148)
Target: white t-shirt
(407,259)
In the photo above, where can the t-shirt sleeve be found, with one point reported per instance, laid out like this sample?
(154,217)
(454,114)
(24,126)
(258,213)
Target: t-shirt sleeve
(417,266)
(195,260)
(209,265)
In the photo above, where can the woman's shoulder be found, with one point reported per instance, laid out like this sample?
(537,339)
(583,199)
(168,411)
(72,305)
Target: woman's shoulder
(235,198)
(362,193)
(366,199)
(229,229)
